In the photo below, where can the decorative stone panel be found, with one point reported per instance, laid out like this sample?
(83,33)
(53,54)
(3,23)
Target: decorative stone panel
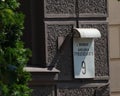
(59,8)
(101,47)
(53,31)
(92,8)
(83,89)
(77,92)
(63,58)
(75,8)
(60,58)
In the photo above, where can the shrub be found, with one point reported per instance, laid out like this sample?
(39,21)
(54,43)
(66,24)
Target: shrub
(13,56)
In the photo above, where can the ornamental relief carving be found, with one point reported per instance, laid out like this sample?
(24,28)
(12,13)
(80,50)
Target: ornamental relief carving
(71,8)
(77,92)
(53,32)
(60,6)
(57,8)
(92,7)
(101,47)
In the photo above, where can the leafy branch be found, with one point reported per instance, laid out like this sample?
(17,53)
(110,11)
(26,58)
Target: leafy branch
(13,56)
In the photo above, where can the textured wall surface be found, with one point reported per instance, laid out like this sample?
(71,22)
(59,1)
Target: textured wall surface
(101,47)
(92,8)
(60,17)
(53,31)
(71,8)
(64,58)
(77,92)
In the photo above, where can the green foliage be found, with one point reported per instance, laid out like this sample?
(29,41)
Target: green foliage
(13,56)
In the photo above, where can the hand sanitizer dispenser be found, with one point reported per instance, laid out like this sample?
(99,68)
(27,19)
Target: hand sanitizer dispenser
(83,52)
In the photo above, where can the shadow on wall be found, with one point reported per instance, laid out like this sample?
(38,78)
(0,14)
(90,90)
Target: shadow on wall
(63,60)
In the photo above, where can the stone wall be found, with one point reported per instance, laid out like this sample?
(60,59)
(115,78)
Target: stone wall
(59,17)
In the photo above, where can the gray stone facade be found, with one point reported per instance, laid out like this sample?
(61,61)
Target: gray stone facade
(71,8)
(58,18)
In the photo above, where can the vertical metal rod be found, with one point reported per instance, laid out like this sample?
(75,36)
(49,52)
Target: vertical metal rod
(77,14)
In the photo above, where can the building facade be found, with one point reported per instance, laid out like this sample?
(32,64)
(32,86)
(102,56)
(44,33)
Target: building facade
(49,32)
(114,39)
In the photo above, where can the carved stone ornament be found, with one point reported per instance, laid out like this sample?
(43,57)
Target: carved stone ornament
(75,8)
